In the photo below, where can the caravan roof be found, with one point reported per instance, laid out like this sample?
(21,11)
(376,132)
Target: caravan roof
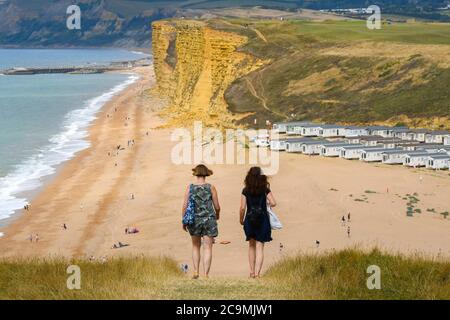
(374,149)
(338,144)
(396,151)
(358,146)
(293,140)
(317,141)
(331,126)
(439,132)
(439,156)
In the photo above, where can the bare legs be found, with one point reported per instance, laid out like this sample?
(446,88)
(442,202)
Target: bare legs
(252,256)
(207,254)
(196,244)
(255,257)
(259,257)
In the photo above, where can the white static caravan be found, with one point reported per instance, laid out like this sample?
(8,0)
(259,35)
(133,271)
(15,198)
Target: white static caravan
(399,132)
(314,146)
(417,159)
(408,145)
(334,149)
(354,131)
(381,131)
(430,147)
(418,134)
(372,155)
(292,127)
(447,140)
(371,141)
(388,143)
(280,144)
(277,145)
(353,151)
(395,156)
(403,134)
(330,131)
(296,145)
(310,130)
(436,136)
(437,162)
(280,127)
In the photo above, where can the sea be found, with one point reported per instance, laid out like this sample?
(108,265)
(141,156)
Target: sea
(44,118)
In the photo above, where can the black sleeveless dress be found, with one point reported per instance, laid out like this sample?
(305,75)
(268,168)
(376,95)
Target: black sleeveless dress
(264,232)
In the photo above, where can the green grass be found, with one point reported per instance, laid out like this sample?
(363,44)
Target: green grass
(335,275)
(367,89)
(417,33)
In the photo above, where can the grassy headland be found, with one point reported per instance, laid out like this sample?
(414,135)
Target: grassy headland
(340,71)
(337,275)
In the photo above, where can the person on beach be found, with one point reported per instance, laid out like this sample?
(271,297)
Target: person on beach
(254,217)
(207,212)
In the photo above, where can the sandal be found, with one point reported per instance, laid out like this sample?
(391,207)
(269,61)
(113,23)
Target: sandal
(195,276)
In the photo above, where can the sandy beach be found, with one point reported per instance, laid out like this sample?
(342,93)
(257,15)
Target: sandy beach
(93,195)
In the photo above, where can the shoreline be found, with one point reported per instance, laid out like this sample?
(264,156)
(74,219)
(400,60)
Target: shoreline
(93,106)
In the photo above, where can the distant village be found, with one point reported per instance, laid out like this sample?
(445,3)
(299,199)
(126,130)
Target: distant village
(389,145)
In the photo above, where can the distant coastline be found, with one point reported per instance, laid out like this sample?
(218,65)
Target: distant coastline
(115,66)
(14,199)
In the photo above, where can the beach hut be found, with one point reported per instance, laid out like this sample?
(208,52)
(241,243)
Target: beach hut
(438,162)
(417,158)
(372,154)
(329,131)
(355,131)
(353,151)
(395,156)
(436,136)
(313,147)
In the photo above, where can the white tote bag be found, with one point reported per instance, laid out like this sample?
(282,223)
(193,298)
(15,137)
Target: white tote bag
(275,223)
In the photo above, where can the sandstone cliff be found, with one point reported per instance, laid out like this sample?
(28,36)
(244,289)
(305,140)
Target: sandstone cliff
(194,65)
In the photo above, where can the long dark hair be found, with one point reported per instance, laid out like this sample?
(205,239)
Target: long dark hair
(256,182)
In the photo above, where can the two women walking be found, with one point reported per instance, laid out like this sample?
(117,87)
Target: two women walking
(201,211)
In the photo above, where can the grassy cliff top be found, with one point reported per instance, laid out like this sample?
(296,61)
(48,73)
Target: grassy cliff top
(337,275)
(340,71)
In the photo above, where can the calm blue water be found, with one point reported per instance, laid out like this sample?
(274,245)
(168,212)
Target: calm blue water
(26,58)
(44,118)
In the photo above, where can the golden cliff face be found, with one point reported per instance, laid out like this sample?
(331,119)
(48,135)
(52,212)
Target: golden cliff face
(194,65)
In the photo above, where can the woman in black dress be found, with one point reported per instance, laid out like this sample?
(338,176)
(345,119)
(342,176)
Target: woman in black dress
(254,217)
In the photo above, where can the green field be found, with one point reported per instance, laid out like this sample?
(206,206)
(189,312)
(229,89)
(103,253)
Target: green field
(406,75)
(338,275)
